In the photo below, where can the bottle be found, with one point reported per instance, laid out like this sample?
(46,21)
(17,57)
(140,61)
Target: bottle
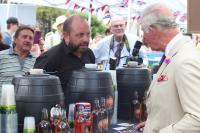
(44,125)
(103,123)
(71,115)
(143,109)
(95,114)
(55,117)
(135,108)
(63,126)
(8,114)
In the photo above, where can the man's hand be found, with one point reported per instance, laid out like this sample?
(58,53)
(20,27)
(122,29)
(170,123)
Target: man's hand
(139,127)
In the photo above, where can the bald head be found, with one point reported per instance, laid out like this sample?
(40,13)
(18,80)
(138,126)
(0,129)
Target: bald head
(158,15)
(117,27)
(116,19)
(73,19)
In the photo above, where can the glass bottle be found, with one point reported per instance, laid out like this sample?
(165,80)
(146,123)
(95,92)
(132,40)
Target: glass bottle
(96,117)
(143,109)
(55,117)
(63,126)
(44,125)
(103,123)
(135,108)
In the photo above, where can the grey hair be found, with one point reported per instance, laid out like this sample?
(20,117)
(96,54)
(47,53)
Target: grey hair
(153,15)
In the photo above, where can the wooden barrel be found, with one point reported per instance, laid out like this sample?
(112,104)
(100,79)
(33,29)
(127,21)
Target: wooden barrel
(128,81)
(34,92)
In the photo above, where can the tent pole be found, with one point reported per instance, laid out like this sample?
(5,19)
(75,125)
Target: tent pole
(129,16)
(90,13)
(8,9)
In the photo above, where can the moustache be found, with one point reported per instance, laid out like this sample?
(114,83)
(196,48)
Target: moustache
(74,48)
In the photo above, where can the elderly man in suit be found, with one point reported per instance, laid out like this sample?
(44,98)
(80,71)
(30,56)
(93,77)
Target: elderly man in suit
(173,104)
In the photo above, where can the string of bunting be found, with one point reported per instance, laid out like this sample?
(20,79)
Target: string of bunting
(182,17)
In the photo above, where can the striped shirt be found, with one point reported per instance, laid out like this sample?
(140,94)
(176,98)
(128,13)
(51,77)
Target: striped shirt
(11,65)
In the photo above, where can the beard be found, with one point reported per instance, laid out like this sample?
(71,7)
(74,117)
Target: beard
(77,48)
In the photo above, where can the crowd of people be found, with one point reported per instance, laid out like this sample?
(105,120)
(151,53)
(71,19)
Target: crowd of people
(172,99)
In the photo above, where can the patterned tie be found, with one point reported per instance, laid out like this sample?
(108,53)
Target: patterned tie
(118,53)
(162,60)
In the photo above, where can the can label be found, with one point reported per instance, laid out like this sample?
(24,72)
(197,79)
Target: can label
(83,118)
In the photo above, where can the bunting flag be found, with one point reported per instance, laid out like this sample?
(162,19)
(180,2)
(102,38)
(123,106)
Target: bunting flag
(107,12)
(136,17)
(97,10)
(106,16)
(76,6)
(176,14)
(183,17)
(140,3)
(92,9)
(67,2)
(103,7)
(82,9)
(125,2)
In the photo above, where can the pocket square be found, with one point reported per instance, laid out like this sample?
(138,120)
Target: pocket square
(162,78)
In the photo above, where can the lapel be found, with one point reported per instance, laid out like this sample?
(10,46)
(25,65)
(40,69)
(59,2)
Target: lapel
(183,41)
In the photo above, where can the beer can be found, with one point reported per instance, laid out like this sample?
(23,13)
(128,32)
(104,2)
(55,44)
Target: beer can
(82,118)
(82,111)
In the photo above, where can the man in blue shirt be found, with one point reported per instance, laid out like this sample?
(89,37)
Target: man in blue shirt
(12,25)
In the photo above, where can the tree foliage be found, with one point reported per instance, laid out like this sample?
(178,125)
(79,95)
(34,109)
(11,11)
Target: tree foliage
(46,16)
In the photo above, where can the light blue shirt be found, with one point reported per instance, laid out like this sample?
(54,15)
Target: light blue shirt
(103,53)
(7,39)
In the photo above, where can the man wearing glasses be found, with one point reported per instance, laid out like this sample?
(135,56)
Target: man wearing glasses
(113,50)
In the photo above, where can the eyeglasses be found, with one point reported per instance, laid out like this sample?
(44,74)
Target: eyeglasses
(119,25)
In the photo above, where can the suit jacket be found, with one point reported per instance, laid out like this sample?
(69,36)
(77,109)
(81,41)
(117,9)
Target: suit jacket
(173,99)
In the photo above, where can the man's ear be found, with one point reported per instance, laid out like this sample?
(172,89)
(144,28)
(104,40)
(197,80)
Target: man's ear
(152,29)
(66,37)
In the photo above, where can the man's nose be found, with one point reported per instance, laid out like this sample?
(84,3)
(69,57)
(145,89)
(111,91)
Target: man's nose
(86,38)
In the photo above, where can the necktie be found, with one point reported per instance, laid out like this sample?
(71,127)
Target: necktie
(162,60)
(118,52)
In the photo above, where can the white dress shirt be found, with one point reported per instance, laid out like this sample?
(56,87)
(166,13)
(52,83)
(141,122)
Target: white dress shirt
(103,53)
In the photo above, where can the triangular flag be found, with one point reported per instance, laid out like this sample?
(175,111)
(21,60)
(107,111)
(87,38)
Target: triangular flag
(134,17)
(107,16)
(97,10)
(176,14)
(183,18)
(92,9)
(103,7)
(138,17)
(140,3)
(125,2)
(76,6)
(82,8)
(107,11)
(67,2)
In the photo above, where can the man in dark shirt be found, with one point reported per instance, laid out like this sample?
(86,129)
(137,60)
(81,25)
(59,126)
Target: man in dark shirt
(71,54)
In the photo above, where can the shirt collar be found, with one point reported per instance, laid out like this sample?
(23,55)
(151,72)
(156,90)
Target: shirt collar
(12,52)
(172,43)
(65,47)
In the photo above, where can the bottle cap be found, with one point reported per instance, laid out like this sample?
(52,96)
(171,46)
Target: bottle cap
(36,71)
(91,66)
